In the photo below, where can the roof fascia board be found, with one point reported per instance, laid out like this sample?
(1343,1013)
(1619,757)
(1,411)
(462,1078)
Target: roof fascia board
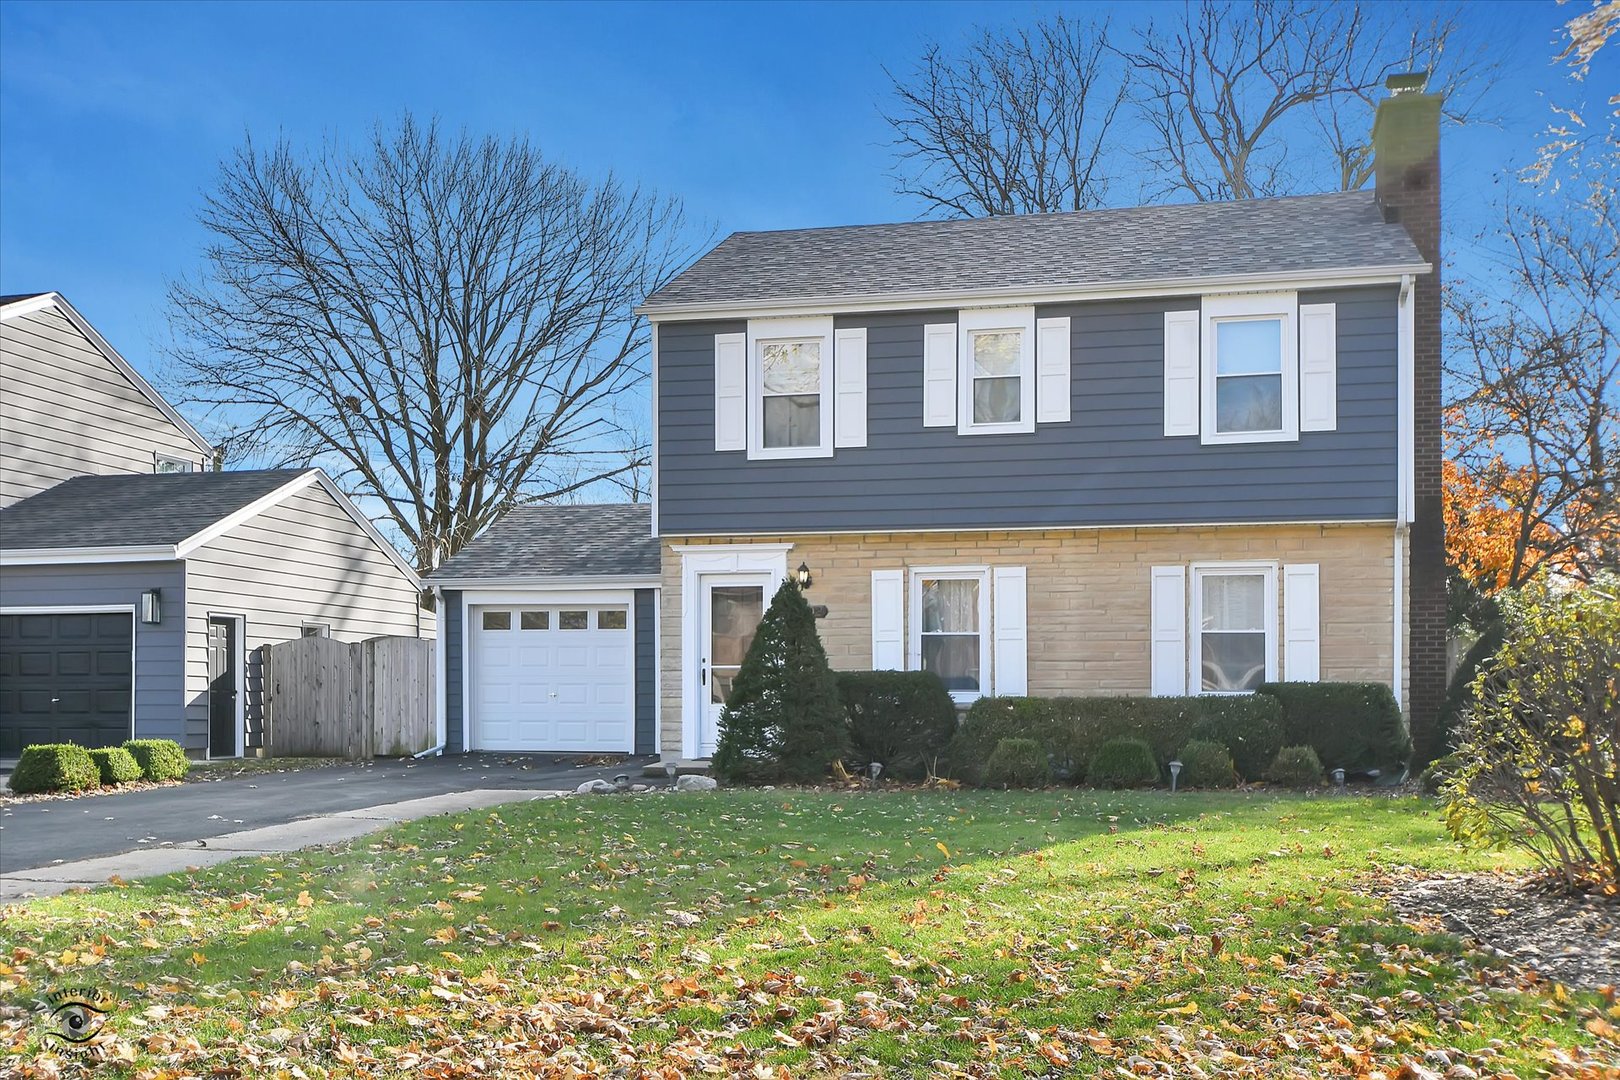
(245,513)
(80,556)
(549,581)
(60,302)
(1057,294)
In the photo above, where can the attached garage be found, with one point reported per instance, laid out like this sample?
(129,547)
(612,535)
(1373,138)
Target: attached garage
(66,676)
(550,628)
(553,677)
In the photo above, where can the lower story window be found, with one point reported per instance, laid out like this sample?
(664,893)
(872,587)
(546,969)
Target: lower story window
(1234,638)
(951,629)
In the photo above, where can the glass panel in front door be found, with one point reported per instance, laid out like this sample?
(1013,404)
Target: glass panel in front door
(734,614)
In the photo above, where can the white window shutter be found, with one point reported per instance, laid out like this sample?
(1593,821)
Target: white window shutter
(849,387)
(1010,648)
(1169,631)
(1181,372)
(888,620)
(1302,623)
(939,375)
(1052,345)
(1318,367)
(731,391)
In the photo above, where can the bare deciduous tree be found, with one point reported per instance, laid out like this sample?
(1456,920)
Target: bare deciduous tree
(1018,123)
(1247,100)
(1534,422)
(444,323)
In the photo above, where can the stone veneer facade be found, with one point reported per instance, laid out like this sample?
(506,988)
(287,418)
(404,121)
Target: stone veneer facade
(1088,595)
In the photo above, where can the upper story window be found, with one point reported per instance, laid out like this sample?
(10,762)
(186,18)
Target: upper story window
(1250,368)
(166,464)
(1248,376)
(791,394)
(996,371)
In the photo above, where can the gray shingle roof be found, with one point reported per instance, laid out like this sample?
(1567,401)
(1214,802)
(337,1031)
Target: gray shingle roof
(1087,249)
(608,540)
(13,298)
(132,510)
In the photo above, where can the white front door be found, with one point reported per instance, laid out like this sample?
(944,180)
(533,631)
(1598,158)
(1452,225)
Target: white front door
(552,677)
(731,606)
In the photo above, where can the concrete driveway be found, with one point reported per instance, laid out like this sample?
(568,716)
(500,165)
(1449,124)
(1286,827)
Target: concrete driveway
(53,831)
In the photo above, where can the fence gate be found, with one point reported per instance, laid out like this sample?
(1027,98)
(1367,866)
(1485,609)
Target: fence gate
(328,698)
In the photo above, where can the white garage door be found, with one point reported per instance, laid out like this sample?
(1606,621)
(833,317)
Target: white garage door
(552,678)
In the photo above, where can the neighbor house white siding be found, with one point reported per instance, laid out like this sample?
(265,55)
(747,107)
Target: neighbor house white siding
(67,410)
(301,561)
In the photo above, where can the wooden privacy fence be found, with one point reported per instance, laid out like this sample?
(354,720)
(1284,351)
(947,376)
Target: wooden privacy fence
(326,698)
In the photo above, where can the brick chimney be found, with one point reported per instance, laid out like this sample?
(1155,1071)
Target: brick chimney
(1406,160)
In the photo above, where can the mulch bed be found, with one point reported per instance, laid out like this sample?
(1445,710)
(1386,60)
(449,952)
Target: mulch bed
(1574,940)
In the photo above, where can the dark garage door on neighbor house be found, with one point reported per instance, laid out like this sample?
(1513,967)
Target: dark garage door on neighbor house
(65,677)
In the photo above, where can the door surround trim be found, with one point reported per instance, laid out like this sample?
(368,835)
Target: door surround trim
(702,560)
(239,634)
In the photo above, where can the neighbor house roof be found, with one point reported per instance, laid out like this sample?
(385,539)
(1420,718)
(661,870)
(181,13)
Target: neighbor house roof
(133,509)
(540,543)
(1034,254)
(128,516)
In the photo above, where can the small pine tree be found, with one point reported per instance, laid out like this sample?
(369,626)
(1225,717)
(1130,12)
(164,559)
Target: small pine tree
(784,720)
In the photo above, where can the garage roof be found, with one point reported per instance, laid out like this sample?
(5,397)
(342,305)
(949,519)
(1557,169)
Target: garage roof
(133,509)
(557,542)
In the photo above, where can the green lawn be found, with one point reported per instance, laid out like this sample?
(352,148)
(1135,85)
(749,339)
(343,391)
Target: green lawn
(904,934)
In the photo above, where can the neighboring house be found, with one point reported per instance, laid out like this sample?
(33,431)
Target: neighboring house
(1164,450)
(135,585)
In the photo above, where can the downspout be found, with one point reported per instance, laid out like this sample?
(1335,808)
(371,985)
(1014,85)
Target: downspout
(440,717)
(1406,362)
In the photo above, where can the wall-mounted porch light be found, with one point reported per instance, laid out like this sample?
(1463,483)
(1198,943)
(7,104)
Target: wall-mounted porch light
(802,574)
(151,606)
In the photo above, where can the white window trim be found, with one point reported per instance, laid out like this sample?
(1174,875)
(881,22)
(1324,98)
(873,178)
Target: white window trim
(981,574)
(761,331)
(983,320)
(188,465)
(1216,309)
(1195,619)
(323,626)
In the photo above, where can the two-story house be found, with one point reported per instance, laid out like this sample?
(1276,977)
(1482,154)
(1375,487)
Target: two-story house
(136,582)
(1163,450)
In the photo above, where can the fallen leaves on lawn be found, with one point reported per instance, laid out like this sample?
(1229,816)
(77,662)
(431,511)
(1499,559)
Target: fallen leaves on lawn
(1117,948)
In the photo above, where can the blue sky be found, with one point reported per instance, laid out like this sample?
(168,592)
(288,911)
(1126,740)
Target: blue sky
(113,118)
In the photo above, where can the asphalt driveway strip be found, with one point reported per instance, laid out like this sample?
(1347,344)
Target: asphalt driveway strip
(36,834)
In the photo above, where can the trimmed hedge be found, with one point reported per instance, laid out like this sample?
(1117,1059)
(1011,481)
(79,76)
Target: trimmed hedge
(159,759)
(1296,767)
(1351,726)
(54,767)
(117,765)
(1250,728)
(1122,763)
(1073,729)
(1018,763)
(904,719)
(1206,764)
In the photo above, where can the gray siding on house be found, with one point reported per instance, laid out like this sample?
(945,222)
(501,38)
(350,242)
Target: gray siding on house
(646,672)
(303,560)
(65,410)
(455,674)
(159,647)
(1110,465)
